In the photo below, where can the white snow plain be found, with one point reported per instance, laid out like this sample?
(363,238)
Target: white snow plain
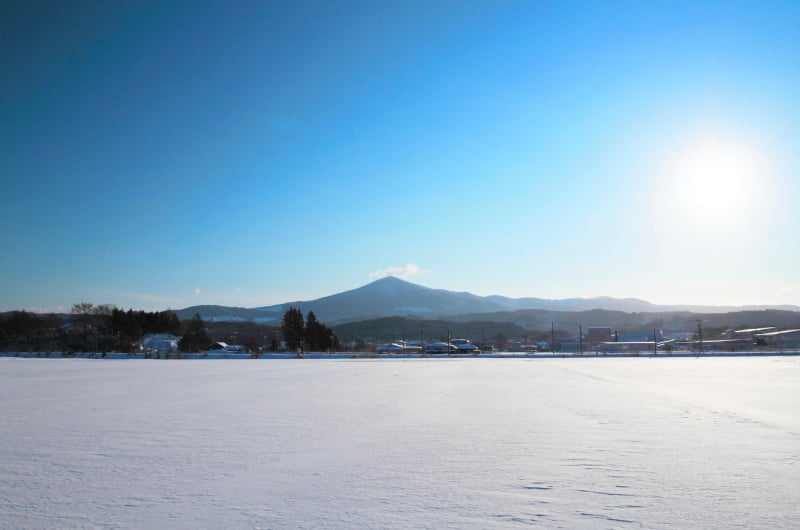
(412,443)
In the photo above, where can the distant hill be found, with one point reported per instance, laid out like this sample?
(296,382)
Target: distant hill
(393,297)
(219,313)
(628,305)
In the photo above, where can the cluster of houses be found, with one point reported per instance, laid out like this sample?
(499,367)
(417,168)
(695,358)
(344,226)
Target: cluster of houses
(594,339)
(604,340)
(454,346)
(168,343)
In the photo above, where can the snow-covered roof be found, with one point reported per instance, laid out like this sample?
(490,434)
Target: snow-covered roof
(753,330)
(777,333)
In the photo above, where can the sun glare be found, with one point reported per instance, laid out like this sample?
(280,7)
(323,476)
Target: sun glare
(714,179)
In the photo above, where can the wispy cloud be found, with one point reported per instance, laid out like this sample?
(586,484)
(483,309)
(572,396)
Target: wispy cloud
(786,290)
(407,271)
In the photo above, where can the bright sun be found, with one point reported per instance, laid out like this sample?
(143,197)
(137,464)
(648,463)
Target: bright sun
(713,179)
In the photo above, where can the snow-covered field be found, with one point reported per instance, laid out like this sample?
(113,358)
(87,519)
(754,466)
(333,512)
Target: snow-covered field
(411,443)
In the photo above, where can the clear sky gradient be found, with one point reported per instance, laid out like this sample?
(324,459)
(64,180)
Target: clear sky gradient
(159,155)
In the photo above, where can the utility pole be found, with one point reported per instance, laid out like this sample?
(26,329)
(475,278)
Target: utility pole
(700,333)
(580,337)
(655,343)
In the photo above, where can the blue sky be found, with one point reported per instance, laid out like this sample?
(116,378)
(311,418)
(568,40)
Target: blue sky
(167,154)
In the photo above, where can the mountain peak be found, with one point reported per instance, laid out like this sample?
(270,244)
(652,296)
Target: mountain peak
(391,286)
(389,280)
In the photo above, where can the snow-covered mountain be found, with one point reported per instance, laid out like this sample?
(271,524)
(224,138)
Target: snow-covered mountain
(392,296)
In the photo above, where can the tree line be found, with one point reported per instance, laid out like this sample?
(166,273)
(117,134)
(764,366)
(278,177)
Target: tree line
(88,327)
(308,334)
(298,334)
(99,328)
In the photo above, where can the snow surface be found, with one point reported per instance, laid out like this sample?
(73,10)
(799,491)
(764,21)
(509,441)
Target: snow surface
(411,443)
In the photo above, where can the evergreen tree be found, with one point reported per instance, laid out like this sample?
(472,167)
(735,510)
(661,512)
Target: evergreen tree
(313,332)
(125,327)
(22,324)
(167,322)
(293,328)
(328,340)
(196,338)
